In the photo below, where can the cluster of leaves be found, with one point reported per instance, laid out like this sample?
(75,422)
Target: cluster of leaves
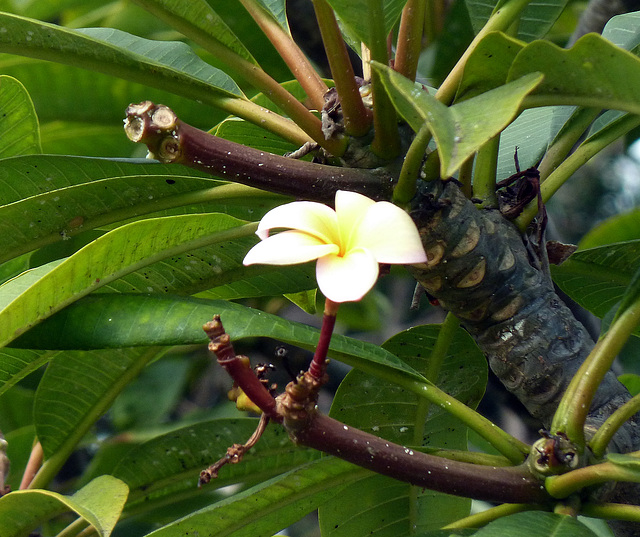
(109,262)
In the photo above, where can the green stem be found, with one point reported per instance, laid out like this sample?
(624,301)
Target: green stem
(594,144)
(250,71)
(445,338)
(484,517)
(612,511)
(357,117)
(561,486)
(386,141)
(302,70)
(435,16)
(52,465)
(512,448)
(405,188)
(566,140)
(604,434)
(500,20)
(73,529)
(576,401)
(436,358)
(484,179)
(473,457)
(465,176)
(410,38)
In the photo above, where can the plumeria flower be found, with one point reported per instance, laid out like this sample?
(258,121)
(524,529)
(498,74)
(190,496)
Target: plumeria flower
(348,242)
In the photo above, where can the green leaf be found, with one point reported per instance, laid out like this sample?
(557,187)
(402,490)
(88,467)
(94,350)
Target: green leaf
(593,73)
(246,133)
(623,30)
(137,244)
(99,503)
(535,20)
(15,364)
(532,132)
(76,389)
(631,382)
(170,66)
(382,504)
(47,199)
(624,460)
(277,8)
(18,120)
(108,321)
(459,130)
(488,65)
(196,20)
(354,15)
(535,524)
(64,92)
(269,507)
(598,277)
(630,296)
(305,300)
(170,464)
(619,228)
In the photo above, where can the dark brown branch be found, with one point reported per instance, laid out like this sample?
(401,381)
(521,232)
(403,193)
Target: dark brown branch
(171,141)
(489,483)
(238,369)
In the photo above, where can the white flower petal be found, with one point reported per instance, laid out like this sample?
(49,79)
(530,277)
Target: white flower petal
(288,248)
(348,278)
(314,218)
(390,235)
(351,208)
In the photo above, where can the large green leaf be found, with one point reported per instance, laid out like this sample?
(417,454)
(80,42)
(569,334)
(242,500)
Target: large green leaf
(99,503)
(108,321)
(170,464)
(382,504)
(170,66)
(535,524)
(535,21)
(76,389)
(459,130)
(593,73)
(198,21)
(620,228)
(269,507)
(597,278)
(34,296)
(47,199)
(63,92)
(532,131)
(18,120)
(354,15)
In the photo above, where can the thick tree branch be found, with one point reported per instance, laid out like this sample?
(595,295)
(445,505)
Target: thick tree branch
(497,484)
(171,141)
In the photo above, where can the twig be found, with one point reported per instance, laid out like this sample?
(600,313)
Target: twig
(33,465)
(238,369)
(234,454)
